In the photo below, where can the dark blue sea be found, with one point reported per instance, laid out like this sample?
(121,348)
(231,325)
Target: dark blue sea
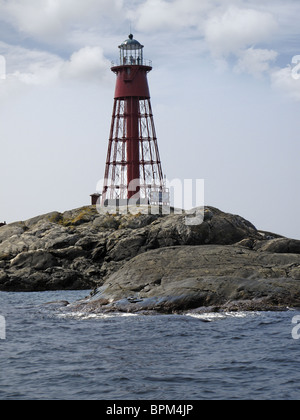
(48,354)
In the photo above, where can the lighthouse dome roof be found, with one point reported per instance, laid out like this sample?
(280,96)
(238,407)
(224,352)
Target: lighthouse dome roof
(131,44)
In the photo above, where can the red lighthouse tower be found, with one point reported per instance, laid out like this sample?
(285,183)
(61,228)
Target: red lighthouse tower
(133,167)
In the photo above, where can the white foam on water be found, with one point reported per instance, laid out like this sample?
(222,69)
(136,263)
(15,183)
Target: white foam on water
(87,316)
(207,316)
(214,316)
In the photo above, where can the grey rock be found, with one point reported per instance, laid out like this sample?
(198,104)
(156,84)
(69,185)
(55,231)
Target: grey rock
(14,229)
(38,260)
(180,278)
(281,245)
(70,253)
(81,249)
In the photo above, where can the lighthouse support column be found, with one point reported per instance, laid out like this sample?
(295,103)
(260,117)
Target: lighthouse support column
(132,147)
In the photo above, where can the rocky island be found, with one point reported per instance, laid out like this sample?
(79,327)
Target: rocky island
(140,263)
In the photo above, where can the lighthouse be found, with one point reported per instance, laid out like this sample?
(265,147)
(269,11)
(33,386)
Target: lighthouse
(133,170)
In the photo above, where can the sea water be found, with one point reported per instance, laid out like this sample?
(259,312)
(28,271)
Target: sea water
(48,353)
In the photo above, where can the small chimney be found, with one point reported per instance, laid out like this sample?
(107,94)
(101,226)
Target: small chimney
(95,197)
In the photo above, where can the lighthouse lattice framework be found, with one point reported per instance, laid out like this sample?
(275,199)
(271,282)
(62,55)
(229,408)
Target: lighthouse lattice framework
(133,166)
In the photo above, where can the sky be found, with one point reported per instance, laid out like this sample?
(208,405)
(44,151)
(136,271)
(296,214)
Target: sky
(225,92)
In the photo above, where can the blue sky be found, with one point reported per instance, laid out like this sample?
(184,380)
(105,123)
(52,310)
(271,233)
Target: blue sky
(225,95)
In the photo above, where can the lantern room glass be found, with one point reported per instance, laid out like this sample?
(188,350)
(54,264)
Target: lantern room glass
(131,52)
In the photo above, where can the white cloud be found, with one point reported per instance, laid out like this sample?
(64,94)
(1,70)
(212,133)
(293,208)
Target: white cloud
(86,64)
(27,68)
(165,15)
(286,80)
(30,66)
(228,29)
(235,32)
(236,29)
(255,61)
(52,18)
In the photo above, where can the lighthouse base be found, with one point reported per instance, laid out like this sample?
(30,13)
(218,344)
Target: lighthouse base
(122,207)
(122,202)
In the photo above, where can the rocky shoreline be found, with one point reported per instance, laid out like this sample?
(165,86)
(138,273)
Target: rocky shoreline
(140,263)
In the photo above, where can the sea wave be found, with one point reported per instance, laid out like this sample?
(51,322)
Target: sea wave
(216,316)
(88,316)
